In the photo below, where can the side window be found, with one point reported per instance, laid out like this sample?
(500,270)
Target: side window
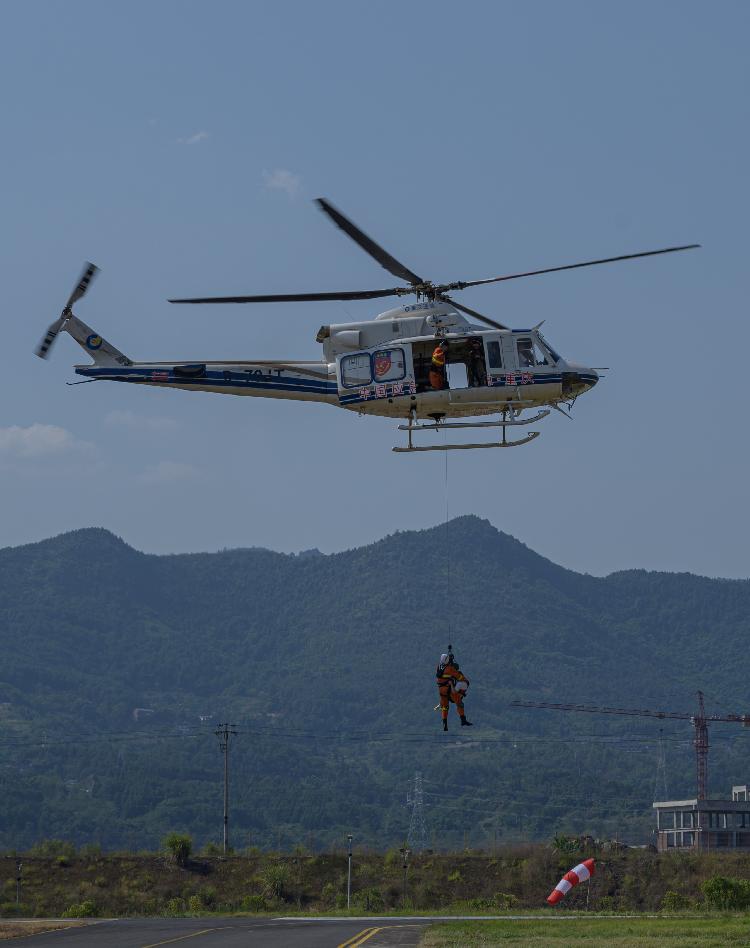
(355,370)
(494,355)
(388,365)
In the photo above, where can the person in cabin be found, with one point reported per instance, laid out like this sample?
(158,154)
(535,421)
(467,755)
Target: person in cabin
(452,685)
(475,364)
(437,365)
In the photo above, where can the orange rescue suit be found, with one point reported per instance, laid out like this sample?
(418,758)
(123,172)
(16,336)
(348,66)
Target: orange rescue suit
(437,371)
(447,676)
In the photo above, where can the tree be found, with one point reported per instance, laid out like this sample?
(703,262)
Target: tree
(179,846)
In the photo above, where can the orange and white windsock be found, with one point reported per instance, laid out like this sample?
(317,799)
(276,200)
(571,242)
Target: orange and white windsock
(580,873)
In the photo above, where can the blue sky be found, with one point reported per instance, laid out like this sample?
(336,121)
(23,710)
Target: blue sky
(179,145)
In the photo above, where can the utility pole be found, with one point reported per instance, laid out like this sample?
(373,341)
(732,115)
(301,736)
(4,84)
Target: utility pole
(405,856)
(19,866)
(660,783)
(700,722)
(224,732)
(349,874)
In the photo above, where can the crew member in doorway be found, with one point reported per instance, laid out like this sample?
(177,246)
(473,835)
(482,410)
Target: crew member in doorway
(477,370)
(437,365)
(450,678)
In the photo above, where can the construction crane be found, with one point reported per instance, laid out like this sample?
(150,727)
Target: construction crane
(700,722)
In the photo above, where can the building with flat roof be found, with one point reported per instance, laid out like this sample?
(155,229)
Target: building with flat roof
(705,824)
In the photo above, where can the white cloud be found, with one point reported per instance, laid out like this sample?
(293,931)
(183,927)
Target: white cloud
(193,139)
(128,419)
(38,441)
(167,472)
(282,180)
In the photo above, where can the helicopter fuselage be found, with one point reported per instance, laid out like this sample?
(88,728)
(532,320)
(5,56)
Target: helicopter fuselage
(381,367)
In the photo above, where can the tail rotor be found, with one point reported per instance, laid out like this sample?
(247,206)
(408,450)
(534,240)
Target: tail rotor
(79,291)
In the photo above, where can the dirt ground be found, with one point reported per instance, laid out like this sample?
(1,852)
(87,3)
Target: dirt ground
(17,929)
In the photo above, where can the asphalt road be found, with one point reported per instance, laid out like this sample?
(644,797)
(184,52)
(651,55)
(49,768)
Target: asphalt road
(232,932)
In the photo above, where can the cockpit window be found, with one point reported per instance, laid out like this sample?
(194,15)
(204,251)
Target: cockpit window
(529,355)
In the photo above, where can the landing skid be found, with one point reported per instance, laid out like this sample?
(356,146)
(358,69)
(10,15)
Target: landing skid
(438,425)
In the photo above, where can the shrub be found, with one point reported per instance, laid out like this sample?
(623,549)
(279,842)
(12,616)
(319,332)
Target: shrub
(370,900)
(86,909)
(275,878)
(9,909)
(213,849)
(179,846)
(674,902)
(503,900)
(175,907)
(724,893)
(455,876)
(195,904)
(53,848)
(565,844)
(253,903)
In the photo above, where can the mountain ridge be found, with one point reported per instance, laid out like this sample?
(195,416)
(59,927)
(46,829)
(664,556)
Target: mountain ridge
(330,658)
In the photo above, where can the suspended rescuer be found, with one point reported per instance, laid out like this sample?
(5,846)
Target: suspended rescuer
(452,685)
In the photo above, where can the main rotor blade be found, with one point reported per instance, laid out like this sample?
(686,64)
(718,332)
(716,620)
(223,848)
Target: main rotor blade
(83,284)
(569,266)
(368,244)
(473,312)
(300,297)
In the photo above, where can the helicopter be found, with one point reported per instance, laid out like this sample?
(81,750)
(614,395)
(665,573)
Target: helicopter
(383,366)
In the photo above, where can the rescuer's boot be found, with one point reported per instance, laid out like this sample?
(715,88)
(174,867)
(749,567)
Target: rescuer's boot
(465,723)
(445,725)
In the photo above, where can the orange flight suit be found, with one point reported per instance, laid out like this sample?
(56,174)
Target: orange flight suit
(437,372)
(447,676)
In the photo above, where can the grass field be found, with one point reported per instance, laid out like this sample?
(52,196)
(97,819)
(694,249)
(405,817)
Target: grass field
(569,931)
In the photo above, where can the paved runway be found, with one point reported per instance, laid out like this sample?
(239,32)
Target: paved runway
(232,932)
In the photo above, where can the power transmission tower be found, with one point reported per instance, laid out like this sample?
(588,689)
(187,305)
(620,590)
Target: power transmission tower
(660,782)
(417,836)
(224,732)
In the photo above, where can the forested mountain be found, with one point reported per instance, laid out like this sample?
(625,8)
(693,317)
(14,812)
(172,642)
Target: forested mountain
(118,666)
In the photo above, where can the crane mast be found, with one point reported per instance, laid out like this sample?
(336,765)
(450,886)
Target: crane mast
(700,722)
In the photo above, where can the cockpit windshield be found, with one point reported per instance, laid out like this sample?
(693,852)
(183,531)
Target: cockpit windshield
(547,346)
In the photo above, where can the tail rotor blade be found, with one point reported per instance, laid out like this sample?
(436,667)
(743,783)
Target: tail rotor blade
(42,350)
(83,284)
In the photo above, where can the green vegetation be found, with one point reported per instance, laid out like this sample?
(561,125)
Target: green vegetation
(591,931)
(515,879)
(118,667)
(179,846)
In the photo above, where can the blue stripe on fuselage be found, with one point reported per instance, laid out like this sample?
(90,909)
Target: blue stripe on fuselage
(219,379)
